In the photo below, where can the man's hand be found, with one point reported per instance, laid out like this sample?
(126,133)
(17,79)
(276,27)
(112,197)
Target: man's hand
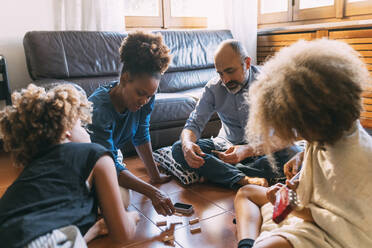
(291,168)
(192,154)
(235,154)
(271,192)
(162,203)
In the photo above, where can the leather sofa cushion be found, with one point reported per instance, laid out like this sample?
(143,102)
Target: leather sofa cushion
(171,107)
(185,80)
(70,54)
(89,84)
(193,49)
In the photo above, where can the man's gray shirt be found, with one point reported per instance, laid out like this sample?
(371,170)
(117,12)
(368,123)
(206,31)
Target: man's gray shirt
(232,109)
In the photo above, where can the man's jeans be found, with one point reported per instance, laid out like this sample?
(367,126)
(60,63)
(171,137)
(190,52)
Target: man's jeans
(217,171)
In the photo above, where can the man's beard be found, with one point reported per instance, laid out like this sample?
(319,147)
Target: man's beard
(233,86)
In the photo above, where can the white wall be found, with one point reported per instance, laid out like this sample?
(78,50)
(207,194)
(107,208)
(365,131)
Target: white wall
(240,16)
(16,18)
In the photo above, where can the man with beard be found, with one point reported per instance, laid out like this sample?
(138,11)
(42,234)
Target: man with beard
(228,159)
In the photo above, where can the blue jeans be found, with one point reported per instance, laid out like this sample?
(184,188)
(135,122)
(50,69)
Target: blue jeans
(217,171)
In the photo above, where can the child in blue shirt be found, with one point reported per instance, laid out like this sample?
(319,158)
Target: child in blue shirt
(121,112)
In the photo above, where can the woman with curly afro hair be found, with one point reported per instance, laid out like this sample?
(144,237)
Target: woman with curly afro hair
(121,113)
(311,91)
(54,199)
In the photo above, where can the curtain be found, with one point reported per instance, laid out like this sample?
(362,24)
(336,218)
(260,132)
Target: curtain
(90,15)
(240,16)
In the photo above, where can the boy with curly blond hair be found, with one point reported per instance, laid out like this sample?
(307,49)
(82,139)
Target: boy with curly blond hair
(65,177)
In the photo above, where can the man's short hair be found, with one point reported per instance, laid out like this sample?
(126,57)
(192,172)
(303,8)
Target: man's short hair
(237,46)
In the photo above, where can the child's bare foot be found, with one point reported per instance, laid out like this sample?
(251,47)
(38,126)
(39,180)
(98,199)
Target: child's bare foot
(253,180)
(98,229)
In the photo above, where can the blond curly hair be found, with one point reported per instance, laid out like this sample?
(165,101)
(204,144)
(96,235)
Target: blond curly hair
(309,90)
(38,119)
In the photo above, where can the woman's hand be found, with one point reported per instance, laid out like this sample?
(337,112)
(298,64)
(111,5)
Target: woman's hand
(161,179)
(162,203)
(271,192)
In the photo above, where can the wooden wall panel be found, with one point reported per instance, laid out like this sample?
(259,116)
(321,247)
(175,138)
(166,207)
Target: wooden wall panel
(268,45)
(359,38)
(366,115)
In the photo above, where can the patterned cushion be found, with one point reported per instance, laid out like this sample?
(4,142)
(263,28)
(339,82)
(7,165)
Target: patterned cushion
(301,143)
(163,156)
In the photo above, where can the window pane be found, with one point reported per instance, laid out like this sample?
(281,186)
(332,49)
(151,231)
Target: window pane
(190,8)
(272,6)
(141,8)
(307,4)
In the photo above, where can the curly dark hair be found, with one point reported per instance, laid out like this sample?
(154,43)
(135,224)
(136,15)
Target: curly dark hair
(144,53)
(38,119)
(310,90)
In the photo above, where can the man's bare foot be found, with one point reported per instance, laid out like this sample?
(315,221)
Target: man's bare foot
(258,181)
(98,229)
(253,180)
(161,179)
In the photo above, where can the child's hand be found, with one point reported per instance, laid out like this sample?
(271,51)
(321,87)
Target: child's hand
(292,185)
(98,229)
(271,192)
(134,216)
(292,166)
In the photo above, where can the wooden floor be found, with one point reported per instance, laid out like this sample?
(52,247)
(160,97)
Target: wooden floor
(213,206)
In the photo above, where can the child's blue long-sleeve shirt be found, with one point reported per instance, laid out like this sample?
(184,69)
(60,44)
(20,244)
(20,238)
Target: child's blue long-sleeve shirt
(112,129)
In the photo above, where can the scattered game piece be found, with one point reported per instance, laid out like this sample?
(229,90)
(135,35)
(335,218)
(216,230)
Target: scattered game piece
(195,230)
(168,238)
(178,214)
(161,223)
(176,223)
(193,221)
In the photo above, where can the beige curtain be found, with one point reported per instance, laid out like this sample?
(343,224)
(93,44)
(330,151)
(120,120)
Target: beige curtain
(90,15)
(240,16)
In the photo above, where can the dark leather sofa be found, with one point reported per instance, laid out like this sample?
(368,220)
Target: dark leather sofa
(91,59)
